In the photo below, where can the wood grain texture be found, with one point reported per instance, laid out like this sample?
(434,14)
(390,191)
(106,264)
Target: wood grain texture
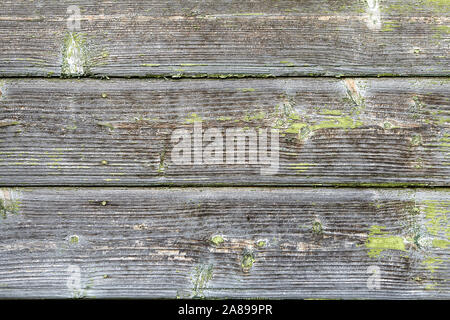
(227,38)
(373,132)
(167,243)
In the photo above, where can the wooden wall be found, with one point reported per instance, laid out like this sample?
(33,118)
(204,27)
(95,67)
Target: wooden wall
(94,204)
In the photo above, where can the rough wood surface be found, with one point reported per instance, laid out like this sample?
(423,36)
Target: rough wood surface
(241,242)
(225,38)
(358,91)
(377,132)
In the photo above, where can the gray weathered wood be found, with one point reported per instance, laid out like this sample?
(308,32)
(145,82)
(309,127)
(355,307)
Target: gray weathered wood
(377,132)
(225,38)
(167,243)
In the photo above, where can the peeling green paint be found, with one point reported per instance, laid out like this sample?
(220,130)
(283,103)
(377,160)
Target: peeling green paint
(224,118)
(6,123)
(341,122)
(247,89)
(436,216)
(317,227)
(389,26)
(439,243)
(432,264)
(416,140)
(288,63)
(295,127)
(256,116)
(74,239)
(261,243)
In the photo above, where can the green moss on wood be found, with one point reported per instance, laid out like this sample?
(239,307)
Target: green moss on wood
(8,207)
(247,260)
(202,275)
(217,240)
(74,239)
(379,241)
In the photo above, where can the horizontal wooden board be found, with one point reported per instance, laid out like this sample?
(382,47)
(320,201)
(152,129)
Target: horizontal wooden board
(235,243)
(339,132)
(225,38)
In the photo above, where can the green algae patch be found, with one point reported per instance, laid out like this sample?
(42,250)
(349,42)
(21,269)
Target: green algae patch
(217,240)
(247,261)
(295,127)
(379,241)
(431,264)
(300,167)
(74,239)
(193,117)
(261,243)
(317,227)
(416,140)
(439,243)
(436,216)
(442,29)
(441,32)
(8,207)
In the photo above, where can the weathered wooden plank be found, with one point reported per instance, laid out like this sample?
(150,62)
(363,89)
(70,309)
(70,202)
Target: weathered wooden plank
(376,132)
(241,242)
(225,38)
